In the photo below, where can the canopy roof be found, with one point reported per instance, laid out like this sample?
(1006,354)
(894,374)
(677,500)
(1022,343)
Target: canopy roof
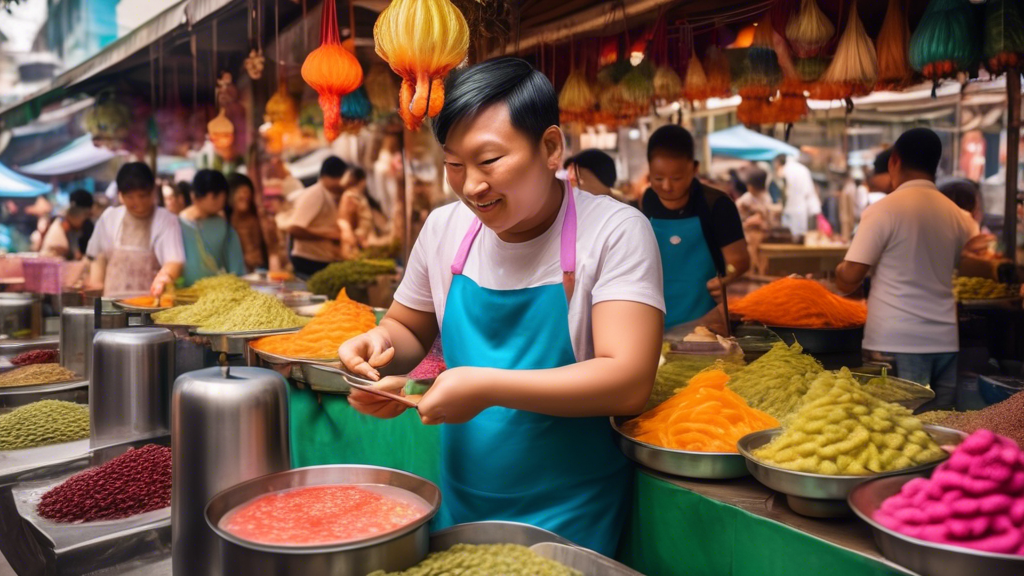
(78,156)
(741,142)
(14,185)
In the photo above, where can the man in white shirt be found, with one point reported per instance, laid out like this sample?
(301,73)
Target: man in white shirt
(913,239)
(802,202)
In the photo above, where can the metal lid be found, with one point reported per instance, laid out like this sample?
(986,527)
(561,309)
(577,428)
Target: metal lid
(232,375)
(89,311)
(136,336)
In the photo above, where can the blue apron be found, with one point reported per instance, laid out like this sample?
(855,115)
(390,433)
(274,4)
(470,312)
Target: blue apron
(562,474)
(687,266)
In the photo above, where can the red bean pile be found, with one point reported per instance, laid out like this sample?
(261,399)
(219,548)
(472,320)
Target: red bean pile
(35,357)
(1005,418)
(135,482)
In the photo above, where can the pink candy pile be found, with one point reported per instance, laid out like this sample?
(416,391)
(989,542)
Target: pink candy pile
(974,500)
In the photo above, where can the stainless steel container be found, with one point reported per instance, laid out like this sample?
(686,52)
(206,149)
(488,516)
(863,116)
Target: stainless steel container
(397,550)
(227,426)
(130,394)
(77,328)
(21,315)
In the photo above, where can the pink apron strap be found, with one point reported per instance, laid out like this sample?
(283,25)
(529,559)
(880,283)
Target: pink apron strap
(567,252)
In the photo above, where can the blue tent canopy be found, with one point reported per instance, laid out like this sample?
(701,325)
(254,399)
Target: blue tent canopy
(14,185)
(740,142)
(78,156)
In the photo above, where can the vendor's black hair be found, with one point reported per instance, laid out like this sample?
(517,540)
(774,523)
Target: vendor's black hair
(882,161)
(529,95)
(671,140)
(333,167)
(920,150)
(780,160)
(757,179)
(80,199)
(135,176)
(963,192)
(209,182)
(358,173)
(183,189)
(599,163)
(236,181)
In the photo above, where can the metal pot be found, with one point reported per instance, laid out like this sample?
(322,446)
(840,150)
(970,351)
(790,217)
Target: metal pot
(395,551)
(77,329)
(21,316)
(228,426)
(130,394)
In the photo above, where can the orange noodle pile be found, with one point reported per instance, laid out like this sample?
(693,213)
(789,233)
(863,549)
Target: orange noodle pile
(799,303)
(336,322)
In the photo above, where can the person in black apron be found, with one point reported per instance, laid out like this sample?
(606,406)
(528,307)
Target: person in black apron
(699,231)
(549,308)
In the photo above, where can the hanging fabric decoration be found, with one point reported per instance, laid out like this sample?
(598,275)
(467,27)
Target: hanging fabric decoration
(609,52)
(577,98)
(382,90)
(893,43)
(638,87)
(945,41)
(331,70)
(854,68)
(810,70)
(108,121)
(1004,35)
(696,88)
(222,135)
(355,110)
(422,40)
(809,30)
(716,66)
(282,122)
(668,87)
(761,72)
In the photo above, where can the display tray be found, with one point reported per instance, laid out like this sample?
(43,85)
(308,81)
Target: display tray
(34,545)
(822,340)
(1009,302)
(235,342)
(683,463)
(133,308)
(922,556)
(13,347)
(822,495)
(922,394)
(272,358)
(15,396)
(17,461)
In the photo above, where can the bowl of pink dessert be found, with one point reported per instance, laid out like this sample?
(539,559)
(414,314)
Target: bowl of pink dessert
(966,518)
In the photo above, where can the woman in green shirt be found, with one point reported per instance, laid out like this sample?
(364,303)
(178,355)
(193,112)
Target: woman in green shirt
(211,245)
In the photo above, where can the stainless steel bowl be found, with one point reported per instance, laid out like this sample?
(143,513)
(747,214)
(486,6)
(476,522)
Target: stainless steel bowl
(707,465)
(822,495)
(397,550)
(922,393)
(921,556)
(237,342)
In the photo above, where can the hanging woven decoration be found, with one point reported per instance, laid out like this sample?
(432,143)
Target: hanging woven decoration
(282,130)
(668,86)
(761,71)
(854,68)
(331,70)
(577,99)
(753,111)
(893,43)
(716,66)
(422,40)
(945,41)
(109,121)
(1004,35)
(810,70)
(696,87)
(222,135)
(638,87)
(382,90)
(809,30)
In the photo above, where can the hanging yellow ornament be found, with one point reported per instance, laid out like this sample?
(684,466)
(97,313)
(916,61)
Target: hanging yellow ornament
(282,119)
(222,135)
(422,40)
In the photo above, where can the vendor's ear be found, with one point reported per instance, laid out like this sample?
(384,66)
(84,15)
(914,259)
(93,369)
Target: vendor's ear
(553,144)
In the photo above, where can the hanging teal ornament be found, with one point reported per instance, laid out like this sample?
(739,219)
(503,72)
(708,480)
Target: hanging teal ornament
(946,40)
(356,105)
(1004,35)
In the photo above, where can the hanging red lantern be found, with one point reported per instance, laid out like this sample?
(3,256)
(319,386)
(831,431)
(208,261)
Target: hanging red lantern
(331,70)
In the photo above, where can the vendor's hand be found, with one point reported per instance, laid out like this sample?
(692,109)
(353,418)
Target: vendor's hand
(159,284)
(365,353)
(980,246)
(717,289)
(374,405)
(455,397)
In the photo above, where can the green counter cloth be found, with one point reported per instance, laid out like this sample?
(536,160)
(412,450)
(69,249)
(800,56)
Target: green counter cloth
(675,531)
(326,430)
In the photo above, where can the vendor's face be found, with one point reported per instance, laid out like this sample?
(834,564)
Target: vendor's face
(211,204)
(138,203)
(671,177)
(241,199)
(498,171)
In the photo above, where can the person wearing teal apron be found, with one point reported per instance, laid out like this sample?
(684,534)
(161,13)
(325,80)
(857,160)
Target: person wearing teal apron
(549,307)
(699,231)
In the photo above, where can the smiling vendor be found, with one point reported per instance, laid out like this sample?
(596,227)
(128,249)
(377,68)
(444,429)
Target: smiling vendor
(698,228)
(550,311)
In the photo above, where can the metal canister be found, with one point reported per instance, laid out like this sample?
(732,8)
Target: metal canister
(77,328)
(130,393)
(228,425)
(21,315)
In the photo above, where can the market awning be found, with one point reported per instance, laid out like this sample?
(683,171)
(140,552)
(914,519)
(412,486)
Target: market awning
(14,185)
(741,142)
(77,156)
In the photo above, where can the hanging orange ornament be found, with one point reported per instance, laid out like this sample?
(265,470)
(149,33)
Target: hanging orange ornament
(695,87)
(331,70)
(222,135)
(422,40)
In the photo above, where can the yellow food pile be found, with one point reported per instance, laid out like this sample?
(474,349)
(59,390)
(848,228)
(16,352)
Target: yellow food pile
(703,417)
(840,429)
(336,322)
(775,382)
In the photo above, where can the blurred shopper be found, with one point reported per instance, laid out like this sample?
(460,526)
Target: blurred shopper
(755,207)
(177,197)
(801,202)
(211,245)
(355,217)
(245,220)
(62,239)
(313,225)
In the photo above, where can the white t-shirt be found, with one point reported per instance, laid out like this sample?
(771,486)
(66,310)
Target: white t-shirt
(165,235)
(913,239)
(617,258)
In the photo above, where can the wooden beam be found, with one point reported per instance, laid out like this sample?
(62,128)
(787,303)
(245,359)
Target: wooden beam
(1012,163)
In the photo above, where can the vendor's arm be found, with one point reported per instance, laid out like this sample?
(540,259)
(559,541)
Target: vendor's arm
(873,234)
(850,275)
(306,210)
(737,262)
(617,381)
(169,250)
(728,235)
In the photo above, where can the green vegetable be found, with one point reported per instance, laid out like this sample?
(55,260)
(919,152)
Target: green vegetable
(43,423)
(775,382)
(338,275)
(415,388)
(485,560)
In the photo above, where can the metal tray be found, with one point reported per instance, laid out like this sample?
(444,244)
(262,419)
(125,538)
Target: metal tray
(34,545)
(236,342)
(16,461)
(821,495)
(925,394)
(919,555)
(586,561)
(143,309)
(74,391)
(705,465)
(13,347)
